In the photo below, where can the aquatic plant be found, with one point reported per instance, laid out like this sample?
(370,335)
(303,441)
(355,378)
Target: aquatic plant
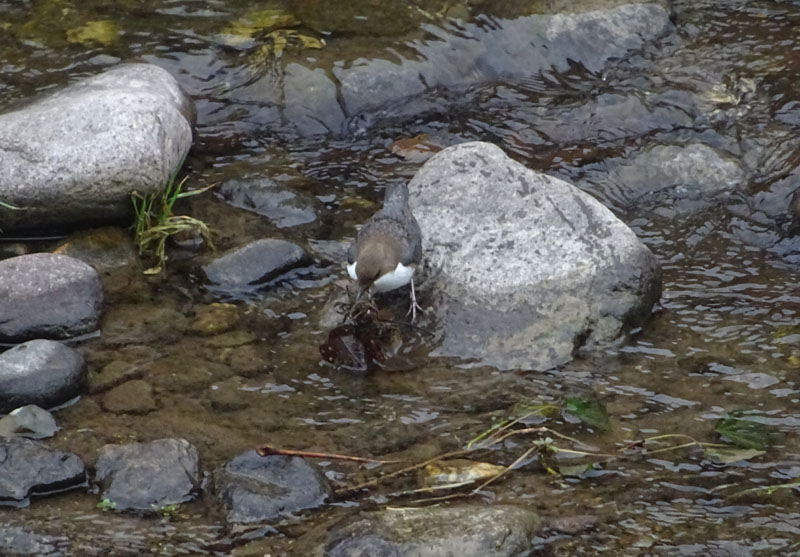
(155,221)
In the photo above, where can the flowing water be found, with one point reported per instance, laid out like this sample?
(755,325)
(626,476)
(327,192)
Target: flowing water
(725,337)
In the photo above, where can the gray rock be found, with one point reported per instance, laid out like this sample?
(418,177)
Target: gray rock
(28,421)
(283,207)
(18,541)
(30,467)
(43,295)
(254,265)
(525,268)
(465,531)
(42,372)
(148,476)
(77,155)
(255,489)
(677,179)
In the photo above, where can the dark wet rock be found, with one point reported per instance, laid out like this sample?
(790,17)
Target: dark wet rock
(256,489)
(254,265)
(465,531)
(30,467)
(28,421)
(42,372)
(262,195)
(19,541)
(76,155)
(43,295)
(133,397)
(148,476)
(525,268)
(676,179)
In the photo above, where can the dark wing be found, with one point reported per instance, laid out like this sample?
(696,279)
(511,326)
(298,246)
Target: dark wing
(352,253)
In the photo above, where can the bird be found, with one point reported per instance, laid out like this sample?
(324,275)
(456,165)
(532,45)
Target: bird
(388,248)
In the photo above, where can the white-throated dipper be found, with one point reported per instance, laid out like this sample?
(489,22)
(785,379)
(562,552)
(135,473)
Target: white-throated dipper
(388,247)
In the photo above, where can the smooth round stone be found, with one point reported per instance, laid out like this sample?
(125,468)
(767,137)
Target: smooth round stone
(41,372)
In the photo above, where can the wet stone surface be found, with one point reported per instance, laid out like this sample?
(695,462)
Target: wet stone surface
(41,372)
(31,467)
(255,265)
(257,489)
(148,476)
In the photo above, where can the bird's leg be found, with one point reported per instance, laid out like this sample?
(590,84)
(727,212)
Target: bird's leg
(414,305)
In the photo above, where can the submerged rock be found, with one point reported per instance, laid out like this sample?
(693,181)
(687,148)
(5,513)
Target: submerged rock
(19,541)
(525,268)
(465,531)
(454,55)
(42,372)
(77,155)
(148,476)
(132,397)
(255,265)
(30,467)
(256,489)
(264,196)
(43,295)
(672,178)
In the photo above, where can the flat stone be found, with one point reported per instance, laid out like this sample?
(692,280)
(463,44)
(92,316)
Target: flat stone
(43,295)
(76,156)
(527,267)
(148,476)
(133,397)
(255,265)
(41,372)
(256,489)
(30,467)
(464,530)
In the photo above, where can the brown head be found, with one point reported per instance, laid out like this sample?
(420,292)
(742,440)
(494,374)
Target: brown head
(378,254)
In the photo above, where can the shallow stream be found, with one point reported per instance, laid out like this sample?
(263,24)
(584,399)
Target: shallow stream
(725,337)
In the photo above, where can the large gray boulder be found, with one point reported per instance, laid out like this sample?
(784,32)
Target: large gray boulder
(41,372)
(77,155)
(524,268)
(465,531)
(44,295)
